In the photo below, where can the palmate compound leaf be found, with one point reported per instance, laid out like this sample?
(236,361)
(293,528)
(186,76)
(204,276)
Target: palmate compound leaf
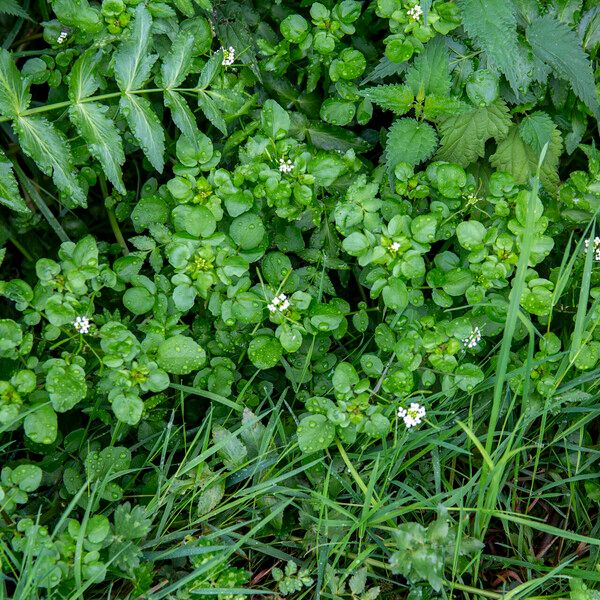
(557,45)
(133,62)
(493,24)
(520,159)
(397,98)
(49,148)
(102,138)
(146,128)
(14,92)
(409,141)
(9,191)
(464,135)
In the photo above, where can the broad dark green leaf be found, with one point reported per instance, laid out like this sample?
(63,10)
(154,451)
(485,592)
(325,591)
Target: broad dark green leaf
(558,45)
(211,112)
(133,61)
(9,191)
(49,148)
(409,141)
(397,98)
(83,81)
(177,64)
(14,94)
(102,138)
(181,113)
(430,71)
(146,128)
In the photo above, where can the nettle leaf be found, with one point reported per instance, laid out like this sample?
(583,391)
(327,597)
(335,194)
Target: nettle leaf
(49,148)
(211,112)
(102,138)
(146,128)
(182,115)
(430,71)
(133,62)
(83,81)
(176,65)
(397,98)
(493,24)
(464,135)
(9,191)
(536,130)
(409,141)
(14,92)
(12,8)
(520,159)
(556,44)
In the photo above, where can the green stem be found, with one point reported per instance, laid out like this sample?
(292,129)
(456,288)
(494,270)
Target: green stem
(112,219)
(21,248)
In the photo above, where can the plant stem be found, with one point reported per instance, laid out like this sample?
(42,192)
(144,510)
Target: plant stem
(112,219)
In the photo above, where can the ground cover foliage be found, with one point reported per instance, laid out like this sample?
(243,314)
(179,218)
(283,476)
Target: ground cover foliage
(299,299)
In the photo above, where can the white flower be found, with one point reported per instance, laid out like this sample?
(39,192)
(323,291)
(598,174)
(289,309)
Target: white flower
(395,247)
(279,303)
(228,56)
(413,415)
(82,324)
(286,166)
(62,37)
(596,247)
(473,339)
(415,12)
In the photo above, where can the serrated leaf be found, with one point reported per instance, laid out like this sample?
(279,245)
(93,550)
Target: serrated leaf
(102,138)
(177,64)
(205,4)
(185,6)
(556,44)
(12,8)
(397,98)
(520,159)
(438,107)
(211,112)
(83,81)
(385,68)
(209,70)
(409,141)
(14,94)
(146,128)
(463,136)
(493,24)
(9,191)
(430,71)
(536,130)
(49,148)
(181,113)
(133,62)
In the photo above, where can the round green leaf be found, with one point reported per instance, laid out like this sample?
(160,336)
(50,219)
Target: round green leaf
(128,408)
(337,112)
(27,477)
(265,351)
(470,234)
(315,432)
(138,300)
(247,231)
(180,355)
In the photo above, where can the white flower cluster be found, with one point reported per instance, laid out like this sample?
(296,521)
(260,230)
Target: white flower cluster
(415,12)
(286,166)
(596,247)
(62,37)
(413,415)
(473,339)
(82,324)
(228,56)
(279,303)
(395,247)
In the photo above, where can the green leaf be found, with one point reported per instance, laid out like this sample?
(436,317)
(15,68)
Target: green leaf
(83,81)
(12,8)
(464,135)
(66,386)
(493,24)
(337,112)
(315,432)
(265,351)
(133,62)
(409,141)
(557,45)
(210,70)
(211,112)
(49,148)
(395,295)
(41,425)
(9,191)
(536,130)
(231,450)
(180,355)
(27,477)
(520,159)
(146,128)
(14,94)
(397,98)
(274,120)
(78,14)
(247,231)
(430,71)
(128,407)
(182,115)
(102,138)
(176,65)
